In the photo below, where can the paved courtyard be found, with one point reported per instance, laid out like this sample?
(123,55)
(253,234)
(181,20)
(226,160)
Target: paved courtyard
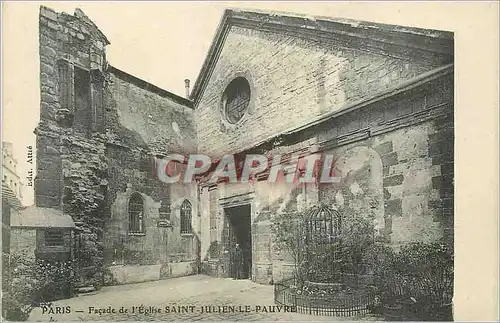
(185,299)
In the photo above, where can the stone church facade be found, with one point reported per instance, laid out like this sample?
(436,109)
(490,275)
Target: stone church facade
(377,97)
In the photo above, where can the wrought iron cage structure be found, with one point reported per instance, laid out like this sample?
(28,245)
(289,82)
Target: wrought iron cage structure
(324,261)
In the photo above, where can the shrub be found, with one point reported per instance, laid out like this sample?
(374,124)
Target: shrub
(30,282)
(214,249)
(420,271)
(383,260)
(429,271)
(289,236)
(358,237)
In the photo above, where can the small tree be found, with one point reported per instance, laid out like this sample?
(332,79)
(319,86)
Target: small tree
(27,282)
(420,271)
(358,236)
(290,238)
(429,271)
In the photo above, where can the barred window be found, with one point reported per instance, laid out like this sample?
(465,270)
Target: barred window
(165,209)
(213,209)
(54,238)
(186,211)
(214,246)
(136,213)
(82,100)
(236,99)
(65,73)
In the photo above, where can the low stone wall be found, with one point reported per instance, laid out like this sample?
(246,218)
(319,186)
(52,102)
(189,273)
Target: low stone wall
(282,270)
(211,268)
(179,269)
(134,274)
(137,274)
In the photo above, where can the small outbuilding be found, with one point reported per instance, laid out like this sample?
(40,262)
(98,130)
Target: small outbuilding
(45,235)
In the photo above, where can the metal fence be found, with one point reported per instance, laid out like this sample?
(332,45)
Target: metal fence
(357,304)
(322,226)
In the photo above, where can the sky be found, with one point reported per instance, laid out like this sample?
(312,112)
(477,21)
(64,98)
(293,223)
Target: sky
(164,43)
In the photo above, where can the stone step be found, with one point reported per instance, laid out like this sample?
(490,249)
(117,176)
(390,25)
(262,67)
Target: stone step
(85,290)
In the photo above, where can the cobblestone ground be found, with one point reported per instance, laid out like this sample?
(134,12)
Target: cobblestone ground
(193,293)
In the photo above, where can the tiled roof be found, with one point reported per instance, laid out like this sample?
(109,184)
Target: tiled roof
(41,217)
(10,197)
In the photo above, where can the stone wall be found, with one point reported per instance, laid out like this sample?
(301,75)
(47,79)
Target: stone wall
(161,120)
(100,129)
(395,160)
(23,241)
(142,123)
(293,81)
(412,135)
(6,214)
(71,151)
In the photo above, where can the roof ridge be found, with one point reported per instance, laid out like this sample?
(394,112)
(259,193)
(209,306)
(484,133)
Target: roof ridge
(400,38)
(347,21)
(148,85)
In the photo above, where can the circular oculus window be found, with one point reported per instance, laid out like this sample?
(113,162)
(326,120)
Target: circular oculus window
(236,99)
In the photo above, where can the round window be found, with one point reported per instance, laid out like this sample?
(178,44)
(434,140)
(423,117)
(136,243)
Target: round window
(236,99)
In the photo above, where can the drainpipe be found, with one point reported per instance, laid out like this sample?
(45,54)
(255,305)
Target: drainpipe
(186,85)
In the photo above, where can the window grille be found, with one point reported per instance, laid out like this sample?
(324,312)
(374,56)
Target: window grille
(323,237)
(236,99)
(136,214)
(54,238)
(186,211)
(164,210)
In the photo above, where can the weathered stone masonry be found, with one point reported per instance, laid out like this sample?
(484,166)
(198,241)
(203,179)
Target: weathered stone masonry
(146,124)
(71,159)
(379,98)
(294,80)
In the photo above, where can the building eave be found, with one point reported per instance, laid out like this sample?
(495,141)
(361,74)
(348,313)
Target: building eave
(212,56)
(403,87)
(41,217)
(385,37)
(445,71)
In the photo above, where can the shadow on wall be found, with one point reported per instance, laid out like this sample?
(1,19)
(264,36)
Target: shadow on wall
(361,186)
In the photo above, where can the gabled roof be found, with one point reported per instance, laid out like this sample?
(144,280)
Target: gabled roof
(41,217)
(373,36)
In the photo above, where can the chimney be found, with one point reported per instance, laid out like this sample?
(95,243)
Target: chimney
(186,82)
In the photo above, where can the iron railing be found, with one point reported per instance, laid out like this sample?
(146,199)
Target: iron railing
(360,302)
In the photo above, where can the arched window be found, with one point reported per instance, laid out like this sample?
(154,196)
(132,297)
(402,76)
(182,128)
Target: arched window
(186,217)
(136,214)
